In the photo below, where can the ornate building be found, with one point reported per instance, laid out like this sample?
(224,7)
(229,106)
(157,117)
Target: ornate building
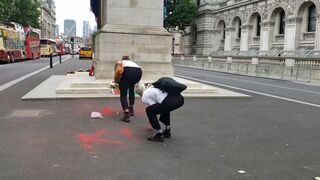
(289,28)
(48,19)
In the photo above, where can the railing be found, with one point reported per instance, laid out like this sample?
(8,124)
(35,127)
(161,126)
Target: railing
(279,38)
(270,67)
(309,36)
(256,40)
(223,4)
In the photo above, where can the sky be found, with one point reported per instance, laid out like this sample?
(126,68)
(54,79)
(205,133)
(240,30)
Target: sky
(78,10)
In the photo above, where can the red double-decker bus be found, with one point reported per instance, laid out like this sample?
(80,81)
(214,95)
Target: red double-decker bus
(32,44)
(60,46)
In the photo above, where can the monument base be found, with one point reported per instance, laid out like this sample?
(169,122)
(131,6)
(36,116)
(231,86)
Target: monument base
(148,46)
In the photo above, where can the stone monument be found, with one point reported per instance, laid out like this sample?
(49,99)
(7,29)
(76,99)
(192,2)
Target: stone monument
(134,28)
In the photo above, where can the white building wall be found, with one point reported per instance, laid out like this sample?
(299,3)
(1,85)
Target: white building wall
(210,12)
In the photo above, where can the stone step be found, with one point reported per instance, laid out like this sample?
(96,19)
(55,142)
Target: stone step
(88,84)
(97,90)
(82,90)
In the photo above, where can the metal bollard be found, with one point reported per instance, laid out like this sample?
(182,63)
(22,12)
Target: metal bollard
(60,58)
(51,66)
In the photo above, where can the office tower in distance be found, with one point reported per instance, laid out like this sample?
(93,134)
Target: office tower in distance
(70,28)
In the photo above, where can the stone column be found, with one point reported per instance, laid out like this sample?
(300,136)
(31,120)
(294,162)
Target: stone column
(317,35)
(187,41)
(134,28)
(291,34)
(216,39)
(229,37)
(266,35)
(245,37)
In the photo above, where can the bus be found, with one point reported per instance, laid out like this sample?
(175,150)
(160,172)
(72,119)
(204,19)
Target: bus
(32,43)
(11,43)
(61,46)
(48,47)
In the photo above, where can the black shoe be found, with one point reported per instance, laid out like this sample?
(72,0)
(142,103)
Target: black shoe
(156,137)
(167,133)
(131,111)
(125,117)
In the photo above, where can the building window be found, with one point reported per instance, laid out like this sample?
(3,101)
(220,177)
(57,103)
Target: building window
(239,29)
(198,3)
(223,31)
(195,34)
(282,22)
(312,18)
(258,30)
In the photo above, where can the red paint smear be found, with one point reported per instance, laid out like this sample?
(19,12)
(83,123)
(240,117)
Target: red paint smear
(89,139)
(128,133)
(106,111)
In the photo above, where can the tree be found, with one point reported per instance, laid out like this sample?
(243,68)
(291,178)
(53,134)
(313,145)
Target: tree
(25,12)
(93,37)
(180,13)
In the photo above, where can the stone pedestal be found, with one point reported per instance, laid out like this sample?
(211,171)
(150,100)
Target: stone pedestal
(134,28)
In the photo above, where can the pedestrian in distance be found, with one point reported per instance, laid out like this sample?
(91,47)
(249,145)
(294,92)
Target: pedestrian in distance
(162,97)
(127,74)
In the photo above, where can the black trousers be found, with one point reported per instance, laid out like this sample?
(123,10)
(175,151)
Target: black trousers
(170,103)
(130,76)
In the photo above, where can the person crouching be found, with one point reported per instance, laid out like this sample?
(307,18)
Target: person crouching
(160,102)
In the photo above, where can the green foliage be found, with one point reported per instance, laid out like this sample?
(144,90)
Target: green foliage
(25,12)
(93,36)
(180,14)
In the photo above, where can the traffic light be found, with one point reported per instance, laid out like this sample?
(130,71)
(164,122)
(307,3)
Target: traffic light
(72,42)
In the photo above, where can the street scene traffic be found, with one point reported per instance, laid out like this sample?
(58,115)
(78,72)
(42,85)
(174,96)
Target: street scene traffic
(177,90)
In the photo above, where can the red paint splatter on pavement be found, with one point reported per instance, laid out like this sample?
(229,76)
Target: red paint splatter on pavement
(88,140)
(127,132)
(106,111)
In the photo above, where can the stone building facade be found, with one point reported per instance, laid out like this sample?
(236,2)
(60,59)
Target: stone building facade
(48,19)
(288,28)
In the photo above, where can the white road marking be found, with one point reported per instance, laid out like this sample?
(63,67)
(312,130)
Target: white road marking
(259,83)
(250,91)
(13,82)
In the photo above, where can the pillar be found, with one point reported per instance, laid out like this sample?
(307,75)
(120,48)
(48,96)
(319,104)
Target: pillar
(134,28)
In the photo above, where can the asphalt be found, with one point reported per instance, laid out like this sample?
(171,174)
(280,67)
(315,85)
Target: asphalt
(252,139)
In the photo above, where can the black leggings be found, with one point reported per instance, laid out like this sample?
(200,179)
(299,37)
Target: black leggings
(170,103)
(130,76)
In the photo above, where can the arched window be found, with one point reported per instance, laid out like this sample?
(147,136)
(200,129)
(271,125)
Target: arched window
(312,18)
(224,31)
(282,24)
(239,29)
(194,34)
(258,30)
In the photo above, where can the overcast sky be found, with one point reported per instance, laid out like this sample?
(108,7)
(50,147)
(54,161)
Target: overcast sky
(79,10)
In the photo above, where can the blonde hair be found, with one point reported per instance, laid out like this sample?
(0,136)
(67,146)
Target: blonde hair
(125,58)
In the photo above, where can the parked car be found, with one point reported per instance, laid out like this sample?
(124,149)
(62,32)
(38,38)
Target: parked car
(85,52)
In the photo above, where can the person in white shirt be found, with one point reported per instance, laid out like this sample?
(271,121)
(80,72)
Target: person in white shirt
(131,75)
(160,102)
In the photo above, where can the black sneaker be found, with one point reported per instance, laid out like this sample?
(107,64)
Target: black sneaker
(156,137)
(131,111)
(125,118)
(167,133)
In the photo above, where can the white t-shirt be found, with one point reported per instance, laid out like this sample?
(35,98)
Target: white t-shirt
(127,63)
(153,95)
